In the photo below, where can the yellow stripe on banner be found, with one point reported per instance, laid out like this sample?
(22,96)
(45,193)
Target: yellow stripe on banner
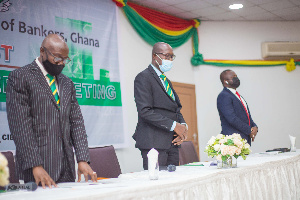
(165,31)
(57,101)
(172,33)
(290,65)
(54,92)
(248,62)
(52,82)
(165,78)
(171,93)
(168,87)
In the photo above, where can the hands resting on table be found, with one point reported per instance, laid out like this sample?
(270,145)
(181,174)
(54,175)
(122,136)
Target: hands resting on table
(41,176)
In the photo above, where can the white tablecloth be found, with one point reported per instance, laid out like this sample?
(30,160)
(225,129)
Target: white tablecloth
(259,177)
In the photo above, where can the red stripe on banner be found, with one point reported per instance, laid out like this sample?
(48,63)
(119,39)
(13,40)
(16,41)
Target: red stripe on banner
(160,19)
(8,66)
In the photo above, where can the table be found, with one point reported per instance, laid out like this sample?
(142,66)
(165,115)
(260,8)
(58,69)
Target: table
(260,176)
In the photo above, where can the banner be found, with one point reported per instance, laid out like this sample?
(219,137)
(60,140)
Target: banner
(90,30)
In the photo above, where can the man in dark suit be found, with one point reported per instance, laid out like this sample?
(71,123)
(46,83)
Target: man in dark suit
(233,109)
(45,119)
(160,123)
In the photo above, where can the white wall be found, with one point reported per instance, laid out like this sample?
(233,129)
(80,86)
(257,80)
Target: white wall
(271,93)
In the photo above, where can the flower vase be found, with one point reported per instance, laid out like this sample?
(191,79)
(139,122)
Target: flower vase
(233,162)
(230,162)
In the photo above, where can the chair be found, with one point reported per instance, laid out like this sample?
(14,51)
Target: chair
(11,166)
(104,161)
(187,153)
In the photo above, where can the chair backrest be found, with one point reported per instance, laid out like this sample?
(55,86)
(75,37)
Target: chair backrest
(11,166)
(187,153)
(104,161)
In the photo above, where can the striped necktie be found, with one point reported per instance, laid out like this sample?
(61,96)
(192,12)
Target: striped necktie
(53,88)
(168,88)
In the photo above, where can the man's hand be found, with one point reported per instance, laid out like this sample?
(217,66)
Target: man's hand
(253,133)
(40,175)
(252,136)
(181,131)
(177,141)
(85,169)
(254,130)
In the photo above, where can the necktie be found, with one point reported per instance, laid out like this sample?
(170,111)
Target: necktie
(244,106)
(53,88)
(168,88)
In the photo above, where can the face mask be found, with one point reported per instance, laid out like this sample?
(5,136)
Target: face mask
(166,65)
(235,82)
(53,69)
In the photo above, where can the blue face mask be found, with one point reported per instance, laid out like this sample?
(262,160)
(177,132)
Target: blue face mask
(166,65)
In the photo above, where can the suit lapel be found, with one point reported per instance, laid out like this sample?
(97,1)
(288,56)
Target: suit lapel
(160,83)
(42,81)
(236,99)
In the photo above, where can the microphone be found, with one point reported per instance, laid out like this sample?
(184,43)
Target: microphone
(171,168)
(30,186)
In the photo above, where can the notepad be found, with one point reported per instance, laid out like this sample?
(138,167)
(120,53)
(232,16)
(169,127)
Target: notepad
(194,164)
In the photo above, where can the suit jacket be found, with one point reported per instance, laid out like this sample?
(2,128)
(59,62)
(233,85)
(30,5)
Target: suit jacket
(43,133)
(233,115)
(156,111)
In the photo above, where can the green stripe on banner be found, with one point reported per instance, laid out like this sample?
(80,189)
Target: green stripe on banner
(88,92)
(97,92)
(3,84)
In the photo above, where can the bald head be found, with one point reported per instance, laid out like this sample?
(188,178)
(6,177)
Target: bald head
(53,46)
(160,46)
(223,75)
(54,42)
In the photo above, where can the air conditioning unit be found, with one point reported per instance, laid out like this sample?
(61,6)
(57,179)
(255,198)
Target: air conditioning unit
(280,50)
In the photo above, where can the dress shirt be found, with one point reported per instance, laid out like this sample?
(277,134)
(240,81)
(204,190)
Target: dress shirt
(243,100)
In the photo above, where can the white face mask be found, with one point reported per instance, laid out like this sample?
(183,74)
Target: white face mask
(166,65)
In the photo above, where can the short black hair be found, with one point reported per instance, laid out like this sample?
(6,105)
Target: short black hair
(222,75)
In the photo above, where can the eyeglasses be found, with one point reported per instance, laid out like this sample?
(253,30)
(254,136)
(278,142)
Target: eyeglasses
(168,56)
(58,59)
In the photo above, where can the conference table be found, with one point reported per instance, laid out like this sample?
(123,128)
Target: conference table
(261,176)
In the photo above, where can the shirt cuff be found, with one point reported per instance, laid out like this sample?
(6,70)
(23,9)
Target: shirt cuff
(173,126)
(187,127)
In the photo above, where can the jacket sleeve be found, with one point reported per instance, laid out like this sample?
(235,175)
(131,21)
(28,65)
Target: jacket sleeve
(251,120)
(20,120)
(77,129)
(225,106)
(144,103)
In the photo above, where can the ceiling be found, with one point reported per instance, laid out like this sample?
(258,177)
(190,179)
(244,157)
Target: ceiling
(218,10)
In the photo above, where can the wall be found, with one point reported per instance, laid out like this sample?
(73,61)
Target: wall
(271,93)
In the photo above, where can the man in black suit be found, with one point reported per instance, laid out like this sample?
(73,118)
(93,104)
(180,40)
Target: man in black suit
(233,109)
(45,119)
(160,123)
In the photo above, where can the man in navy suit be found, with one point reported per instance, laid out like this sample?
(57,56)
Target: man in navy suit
(160,122)
(233,109)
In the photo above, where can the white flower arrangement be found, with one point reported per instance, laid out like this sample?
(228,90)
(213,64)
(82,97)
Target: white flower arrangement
(4,172)
(224,147)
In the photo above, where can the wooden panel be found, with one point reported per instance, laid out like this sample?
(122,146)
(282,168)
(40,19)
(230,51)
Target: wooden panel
(187,96)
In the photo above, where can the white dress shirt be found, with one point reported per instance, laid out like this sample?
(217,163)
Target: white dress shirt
(243,100)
